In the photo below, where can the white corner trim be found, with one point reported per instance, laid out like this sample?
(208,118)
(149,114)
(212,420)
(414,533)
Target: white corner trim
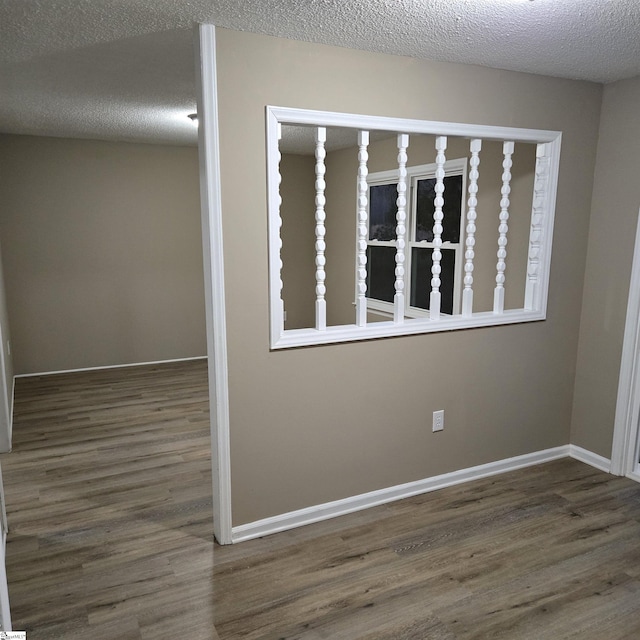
(328,510)
(633,475)
(5,404)
(5,611)
(13,399)
(627,404)
(590,458)
(211,210)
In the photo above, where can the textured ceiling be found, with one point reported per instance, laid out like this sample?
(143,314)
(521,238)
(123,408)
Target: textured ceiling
(123,69)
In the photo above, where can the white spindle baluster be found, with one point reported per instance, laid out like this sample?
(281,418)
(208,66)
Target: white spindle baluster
(472,203)
(321,303)
(279,225)
(401,228)
(503,228)
(537,225)
(363,230)
(438,216)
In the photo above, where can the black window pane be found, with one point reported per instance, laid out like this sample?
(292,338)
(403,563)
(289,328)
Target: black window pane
(451,209)
(381,266)
(382,211)
(421,261)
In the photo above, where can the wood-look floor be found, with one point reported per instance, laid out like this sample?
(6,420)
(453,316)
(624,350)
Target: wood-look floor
(108,492)
(546,553)
(109,503)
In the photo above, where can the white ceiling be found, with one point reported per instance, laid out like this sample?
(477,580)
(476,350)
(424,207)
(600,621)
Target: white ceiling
(123,69)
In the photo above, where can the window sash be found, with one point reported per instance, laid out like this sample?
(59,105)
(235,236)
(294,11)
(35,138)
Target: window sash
(455,167)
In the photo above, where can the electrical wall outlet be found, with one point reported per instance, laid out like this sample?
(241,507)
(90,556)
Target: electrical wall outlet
(438,420)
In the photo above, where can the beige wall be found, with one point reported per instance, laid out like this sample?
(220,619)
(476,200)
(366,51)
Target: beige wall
(102,252)
(318,424)
(6,397)
(614,216)
(298,239)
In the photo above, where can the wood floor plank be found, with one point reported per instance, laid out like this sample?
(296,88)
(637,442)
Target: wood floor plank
(109,501)
(517,556)
(108,493)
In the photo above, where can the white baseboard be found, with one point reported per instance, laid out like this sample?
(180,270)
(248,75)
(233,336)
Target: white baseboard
(590,458)
(328,510)
(108,366)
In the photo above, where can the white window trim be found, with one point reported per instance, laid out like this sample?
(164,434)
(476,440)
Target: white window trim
(454,167)
(535,296)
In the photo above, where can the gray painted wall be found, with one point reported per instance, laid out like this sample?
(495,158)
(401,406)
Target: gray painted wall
(614,216)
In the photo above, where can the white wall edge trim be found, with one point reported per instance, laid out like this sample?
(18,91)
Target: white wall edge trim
(632,475)
(13,400)
(590,458)
(5,611)
(627,404)
(5,403)
(108,366)
(342,507)
(213,259)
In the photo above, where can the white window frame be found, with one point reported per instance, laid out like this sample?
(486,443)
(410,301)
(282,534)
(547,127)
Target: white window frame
(541,235)
(455,167)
